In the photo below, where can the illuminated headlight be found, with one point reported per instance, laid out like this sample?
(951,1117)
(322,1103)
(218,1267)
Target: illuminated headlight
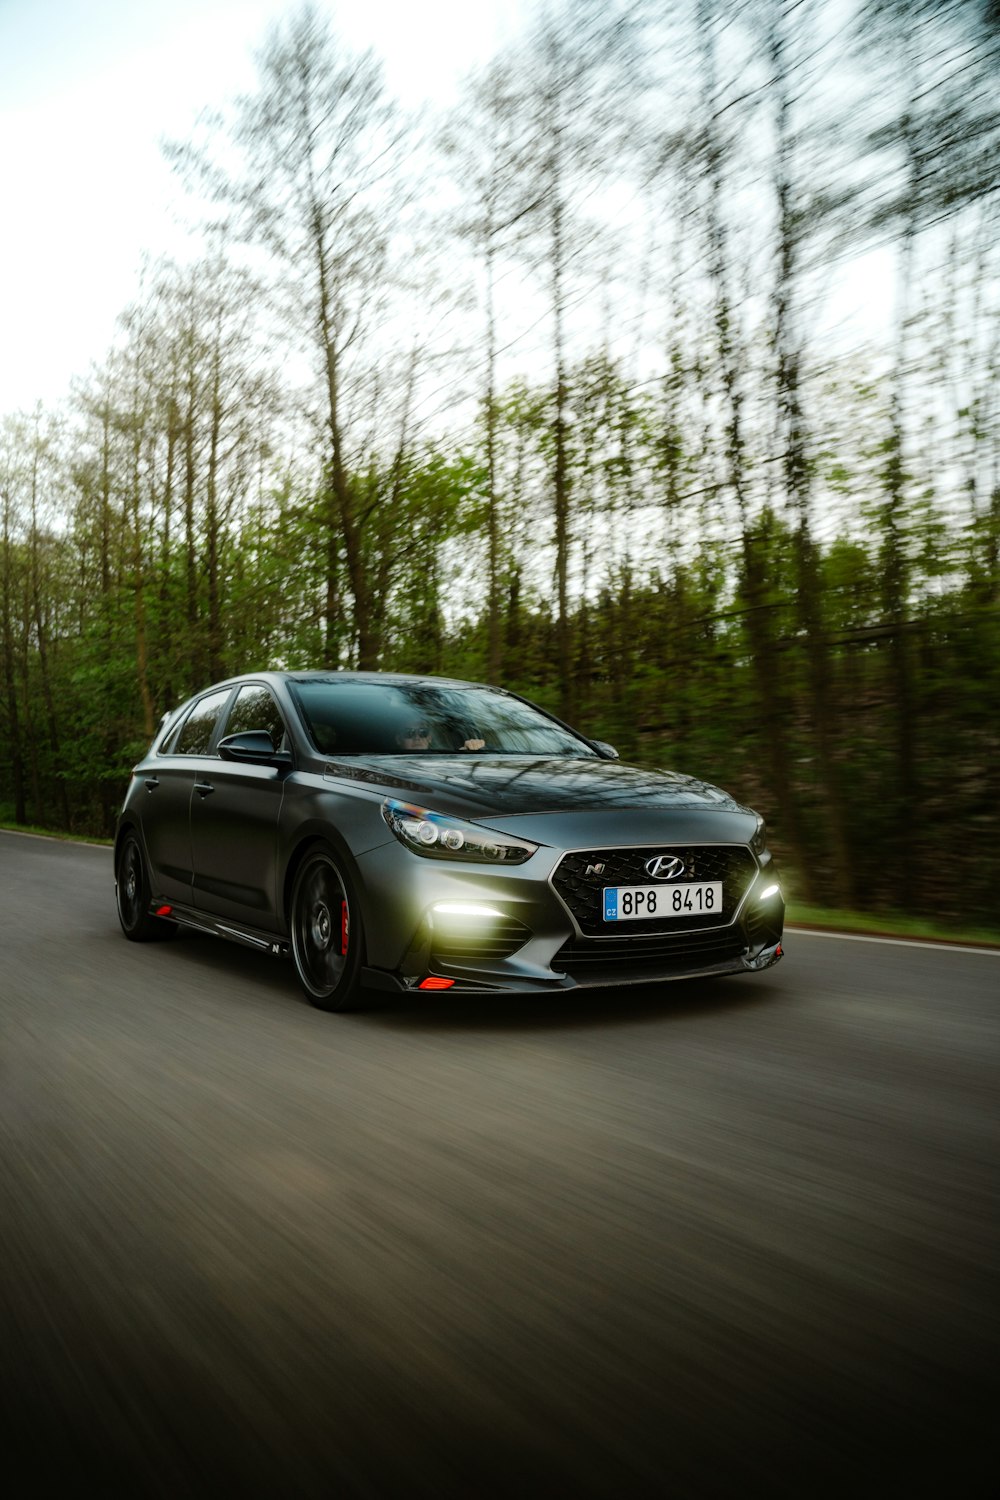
(759,840)
(443,837)
(768,892)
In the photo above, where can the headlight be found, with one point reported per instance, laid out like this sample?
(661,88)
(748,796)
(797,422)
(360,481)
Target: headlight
(759,840)
(440,836)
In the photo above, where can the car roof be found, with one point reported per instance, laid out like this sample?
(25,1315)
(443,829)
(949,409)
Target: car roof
(402,677)
(333,674)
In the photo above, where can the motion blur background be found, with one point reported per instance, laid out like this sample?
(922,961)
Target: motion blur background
(649,370)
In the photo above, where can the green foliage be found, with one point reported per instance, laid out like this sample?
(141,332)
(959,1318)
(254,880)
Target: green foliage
(664,637)
(752,561)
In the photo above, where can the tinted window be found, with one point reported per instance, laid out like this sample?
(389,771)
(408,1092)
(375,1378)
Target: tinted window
(199,725)
(255,709)
(168,731)
(370,718)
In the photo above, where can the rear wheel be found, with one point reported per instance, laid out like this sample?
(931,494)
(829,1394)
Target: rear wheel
(327,938)
(133,895)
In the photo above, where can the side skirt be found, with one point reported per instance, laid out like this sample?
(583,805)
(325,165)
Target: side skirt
(234,932)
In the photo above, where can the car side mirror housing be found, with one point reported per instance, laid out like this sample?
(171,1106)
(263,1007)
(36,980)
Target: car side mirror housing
(253,747)
(604,750)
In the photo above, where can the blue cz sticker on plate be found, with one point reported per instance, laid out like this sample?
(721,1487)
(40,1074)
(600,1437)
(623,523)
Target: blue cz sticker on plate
(611,903)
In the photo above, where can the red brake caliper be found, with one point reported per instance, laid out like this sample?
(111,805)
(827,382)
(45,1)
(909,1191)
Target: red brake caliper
(343,928)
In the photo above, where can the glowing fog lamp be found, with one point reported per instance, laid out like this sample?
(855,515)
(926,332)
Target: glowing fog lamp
(464,909)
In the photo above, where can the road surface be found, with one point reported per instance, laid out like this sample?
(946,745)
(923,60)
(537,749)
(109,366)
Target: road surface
(703,1239)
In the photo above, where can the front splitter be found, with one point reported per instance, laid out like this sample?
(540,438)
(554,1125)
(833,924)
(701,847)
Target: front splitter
(599,979)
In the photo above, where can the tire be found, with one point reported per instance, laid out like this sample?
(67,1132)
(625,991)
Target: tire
(327,936)
(132,895)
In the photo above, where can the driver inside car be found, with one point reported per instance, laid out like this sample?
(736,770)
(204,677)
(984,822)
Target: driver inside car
(418,737)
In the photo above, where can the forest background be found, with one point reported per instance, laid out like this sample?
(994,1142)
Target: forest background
(552,392)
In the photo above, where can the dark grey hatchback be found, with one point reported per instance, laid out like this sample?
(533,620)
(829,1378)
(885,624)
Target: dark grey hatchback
(418,833)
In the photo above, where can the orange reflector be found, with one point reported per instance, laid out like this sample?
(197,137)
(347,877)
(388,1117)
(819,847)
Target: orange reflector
(164,911)
(435,982)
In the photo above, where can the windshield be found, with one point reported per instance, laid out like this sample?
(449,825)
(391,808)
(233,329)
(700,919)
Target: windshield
(374,718)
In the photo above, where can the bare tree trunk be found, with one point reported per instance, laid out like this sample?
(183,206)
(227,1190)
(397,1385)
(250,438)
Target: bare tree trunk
(190,480)
(166,686)
(16,751)
(772,705)
(796,475)
(560,475)
(216,668)
(493,649)
(895,566)
(341,519)
(42,643)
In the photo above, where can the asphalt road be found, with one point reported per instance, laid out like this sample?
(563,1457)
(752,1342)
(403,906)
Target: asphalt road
(709,1239)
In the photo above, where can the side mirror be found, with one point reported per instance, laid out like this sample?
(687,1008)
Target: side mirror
(253,748)
(604,750)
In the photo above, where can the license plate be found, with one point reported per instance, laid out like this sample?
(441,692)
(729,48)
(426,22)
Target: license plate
(631,903)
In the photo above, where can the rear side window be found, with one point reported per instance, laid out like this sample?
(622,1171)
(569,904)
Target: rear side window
(256,709)
(199,726)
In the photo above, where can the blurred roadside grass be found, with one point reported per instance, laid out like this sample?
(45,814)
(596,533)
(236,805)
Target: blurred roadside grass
(53,833)
(887,924)
(876,924)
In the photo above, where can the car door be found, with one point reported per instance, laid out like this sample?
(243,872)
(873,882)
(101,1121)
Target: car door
(234,826)
(166,807)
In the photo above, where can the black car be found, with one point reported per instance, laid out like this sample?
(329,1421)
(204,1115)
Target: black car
(417,833)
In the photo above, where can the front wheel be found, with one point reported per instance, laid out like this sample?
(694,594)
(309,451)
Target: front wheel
(327,938)
(132,895)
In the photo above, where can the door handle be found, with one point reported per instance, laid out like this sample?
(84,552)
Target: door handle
(152,782)
(203,788)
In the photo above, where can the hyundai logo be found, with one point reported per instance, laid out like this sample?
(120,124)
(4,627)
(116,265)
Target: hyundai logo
(665,866)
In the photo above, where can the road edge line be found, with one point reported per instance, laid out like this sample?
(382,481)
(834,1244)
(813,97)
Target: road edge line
(945,945)
(51,838)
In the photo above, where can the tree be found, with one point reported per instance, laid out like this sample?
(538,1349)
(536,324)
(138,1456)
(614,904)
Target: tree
(570,126)
(481,144)
(315,184)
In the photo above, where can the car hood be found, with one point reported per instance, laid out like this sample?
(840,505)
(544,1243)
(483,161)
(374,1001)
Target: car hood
(489,786)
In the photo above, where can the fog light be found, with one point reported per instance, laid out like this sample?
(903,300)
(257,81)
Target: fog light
(768,892)
(464,909)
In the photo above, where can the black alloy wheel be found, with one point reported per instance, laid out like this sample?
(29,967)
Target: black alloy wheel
(327,939)
(132,894)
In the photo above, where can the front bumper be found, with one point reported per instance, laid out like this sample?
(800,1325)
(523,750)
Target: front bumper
(531,943)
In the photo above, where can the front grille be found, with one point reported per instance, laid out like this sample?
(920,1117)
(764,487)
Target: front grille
(492,939)
(583,893)
(654,954)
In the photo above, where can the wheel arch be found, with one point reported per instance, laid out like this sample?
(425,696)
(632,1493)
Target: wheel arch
(129,823)
(315,838)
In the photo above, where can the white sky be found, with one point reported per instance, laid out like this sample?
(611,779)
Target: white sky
(88,88)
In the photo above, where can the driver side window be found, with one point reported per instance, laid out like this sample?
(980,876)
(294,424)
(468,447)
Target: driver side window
(199,726)
(254,708)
